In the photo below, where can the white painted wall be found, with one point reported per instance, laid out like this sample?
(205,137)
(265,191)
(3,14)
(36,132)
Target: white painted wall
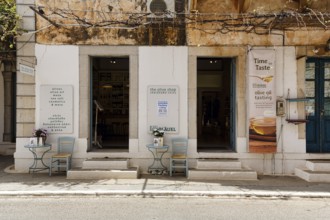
(162,66)
(56,65)
(1,106)
(291,142)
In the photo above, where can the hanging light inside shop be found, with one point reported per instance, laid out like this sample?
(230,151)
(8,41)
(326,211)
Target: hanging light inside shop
(107,86)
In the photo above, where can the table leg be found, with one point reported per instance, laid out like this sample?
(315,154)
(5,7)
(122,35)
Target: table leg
(34,167)
(157,156)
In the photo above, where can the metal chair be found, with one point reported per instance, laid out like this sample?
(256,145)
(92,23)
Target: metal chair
(64,154)
(179,158)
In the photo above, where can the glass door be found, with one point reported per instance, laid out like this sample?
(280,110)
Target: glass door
(317,87)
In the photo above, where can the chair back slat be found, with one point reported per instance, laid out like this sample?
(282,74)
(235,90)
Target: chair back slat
(179,146)
(65,145)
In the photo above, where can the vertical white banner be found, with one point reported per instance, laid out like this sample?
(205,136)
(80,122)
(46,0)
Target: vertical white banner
(262,101)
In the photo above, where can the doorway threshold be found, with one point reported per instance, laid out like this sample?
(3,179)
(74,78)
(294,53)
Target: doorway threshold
(215,151)
(107,150)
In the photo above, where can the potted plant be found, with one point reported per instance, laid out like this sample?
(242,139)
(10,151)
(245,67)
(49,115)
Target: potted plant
(158,137)
(40,133)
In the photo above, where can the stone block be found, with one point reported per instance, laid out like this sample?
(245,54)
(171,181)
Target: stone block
(84,118)
(131,173)
(24,129)
(318,165)
(313,176)
(222,175)
(26,37)
(219,164)
(24,10)
(25,49)
(105,164)
(31,2)
(25,102)
(25,89)
(24,78)
(25,115)
(28,23)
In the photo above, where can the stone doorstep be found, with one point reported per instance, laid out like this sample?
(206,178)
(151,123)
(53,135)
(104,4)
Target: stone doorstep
(313,176)
(224,174)
(219,164)
(7,148)
(105,163)
(318,165)
(131,173)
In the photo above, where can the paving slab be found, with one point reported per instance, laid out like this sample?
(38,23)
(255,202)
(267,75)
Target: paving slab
(40,184)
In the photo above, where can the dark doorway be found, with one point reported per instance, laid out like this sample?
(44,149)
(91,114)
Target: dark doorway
(214,104)
(110,102)
(317,90)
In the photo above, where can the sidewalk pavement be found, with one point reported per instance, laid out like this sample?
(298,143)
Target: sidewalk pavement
(40,184)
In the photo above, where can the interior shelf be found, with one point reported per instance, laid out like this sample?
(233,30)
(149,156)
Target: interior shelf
(112,91)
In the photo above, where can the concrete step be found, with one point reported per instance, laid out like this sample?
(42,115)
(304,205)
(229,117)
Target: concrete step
(105,164)
(219,164)
(225,174)
(313,176)
(318,165)
(10,151)
(7,148)
(88,174)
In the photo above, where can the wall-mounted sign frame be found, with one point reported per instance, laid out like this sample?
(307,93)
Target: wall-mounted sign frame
(163,108)
(26,69)
(56,108)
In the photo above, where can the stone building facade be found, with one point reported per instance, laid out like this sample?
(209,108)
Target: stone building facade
(117,52)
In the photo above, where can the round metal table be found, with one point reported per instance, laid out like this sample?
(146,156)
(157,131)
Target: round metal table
(157,166)
(37,157)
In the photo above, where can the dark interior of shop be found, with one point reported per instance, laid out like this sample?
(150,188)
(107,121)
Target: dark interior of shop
(213,104)
(110,102)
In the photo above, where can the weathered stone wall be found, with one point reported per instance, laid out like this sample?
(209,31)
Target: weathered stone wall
(217,6)
(176,31)
(121,31)
(289,38)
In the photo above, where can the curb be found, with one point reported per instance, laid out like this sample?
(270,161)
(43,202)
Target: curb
(150,194)
(11,169)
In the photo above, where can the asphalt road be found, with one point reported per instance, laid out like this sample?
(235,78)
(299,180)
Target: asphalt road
(161,208)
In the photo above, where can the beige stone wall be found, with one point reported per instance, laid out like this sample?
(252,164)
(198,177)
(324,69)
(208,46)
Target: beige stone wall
(123,30)
(296,38)
(25,98)
(68,30)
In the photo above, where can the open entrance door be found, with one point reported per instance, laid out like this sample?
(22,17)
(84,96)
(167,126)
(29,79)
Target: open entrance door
(215,107)
(110,103)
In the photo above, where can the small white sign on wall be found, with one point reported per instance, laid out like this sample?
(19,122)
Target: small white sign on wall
(56,108)
(163,108)
(26,69)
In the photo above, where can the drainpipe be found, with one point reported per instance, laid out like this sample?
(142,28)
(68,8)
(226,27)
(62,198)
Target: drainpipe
(8,104)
